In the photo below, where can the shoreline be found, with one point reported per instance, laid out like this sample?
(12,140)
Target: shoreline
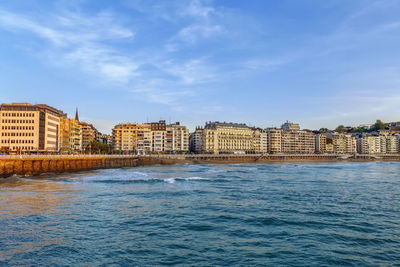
(42,164)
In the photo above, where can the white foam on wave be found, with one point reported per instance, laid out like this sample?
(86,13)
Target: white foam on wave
(169,180)
(195,178)
(174,179)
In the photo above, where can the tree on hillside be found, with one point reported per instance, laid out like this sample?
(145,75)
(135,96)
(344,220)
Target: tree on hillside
(323,130)
(340,129)
(378,125)
(360,130)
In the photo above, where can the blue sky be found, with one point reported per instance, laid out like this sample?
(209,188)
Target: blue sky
(319,63)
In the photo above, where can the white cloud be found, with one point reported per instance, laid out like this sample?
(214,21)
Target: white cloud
(197,9)
(195,71)
(78,41)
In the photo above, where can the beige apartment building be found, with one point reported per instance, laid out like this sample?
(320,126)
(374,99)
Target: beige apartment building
(343,143)
(298,142)
(177,138)
(378,144)
(151,137)
(320,143)
(260,142)
(29,128)
(144,136)
(125,137)
(369,145)
(89,134)
(158,136)
(70,135)
(274,140)
(222,138)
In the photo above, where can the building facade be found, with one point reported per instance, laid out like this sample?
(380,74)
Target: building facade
(298,142)
(343,143)
(177,138)
(320,143)
(196,140)
(274,140)
(89,134)
(29,128)
(227,138)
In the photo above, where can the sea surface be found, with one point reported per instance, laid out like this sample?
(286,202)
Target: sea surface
(205,215)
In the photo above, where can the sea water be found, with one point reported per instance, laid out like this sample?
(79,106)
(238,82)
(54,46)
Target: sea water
(204,215)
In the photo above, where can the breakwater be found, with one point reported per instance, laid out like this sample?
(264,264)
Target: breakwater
(38,164)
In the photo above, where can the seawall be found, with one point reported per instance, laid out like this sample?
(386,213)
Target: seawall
(38,164)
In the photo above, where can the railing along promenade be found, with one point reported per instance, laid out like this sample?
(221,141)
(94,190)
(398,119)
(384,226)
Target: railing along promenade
(37,164)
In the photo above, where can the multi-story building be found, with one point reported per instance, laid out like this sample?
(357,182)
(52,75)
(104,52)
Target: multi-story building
(320,143)
(298,142)
(89,134)
(70,136)
(158,136)
(260,143)
(392,144)
(105,139)
(342,143)
(378,144)
(132,137)
(75,136)
(177,138)
(274,140)
(196,140)
(144,135)
(225,138)
(29,128)
(64,131)
(124,137)
(369,144)
(290,126)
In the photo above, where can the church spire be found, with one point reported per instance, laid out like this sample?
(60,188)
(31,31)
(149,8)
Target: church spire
(76,115)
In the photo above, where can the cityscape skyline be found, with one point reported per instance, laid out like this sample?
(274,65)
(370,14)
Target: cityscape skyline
(320,64)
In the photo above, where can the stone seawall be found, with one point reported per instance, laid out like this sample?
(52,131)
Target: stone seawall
(35,165)
(24,165)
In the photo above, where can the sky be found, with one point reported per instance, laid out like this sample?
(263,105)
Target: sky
(317,63)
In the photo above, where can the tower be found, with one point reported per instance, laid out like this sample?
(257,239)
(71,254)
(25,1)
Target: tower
(76,115)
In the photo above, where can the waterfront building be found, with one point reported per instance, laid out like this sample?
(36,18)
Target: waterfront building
(105,139)
(369,144)
(196,140)
(274,140)
(64,131)
(158,136)
(124,137)
(177,138)
(329,146)
(290,126)
(70,136)
(227,138)
(260,144)
(298,142)
(342,143)
(89,134)
(29,128)
(75,136)
(320,143)
(392,144)
(378,144)
(144,142)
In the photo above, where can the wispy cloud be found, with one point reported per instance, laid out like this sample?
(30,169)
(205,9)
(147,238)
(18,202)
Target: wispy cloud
(79,41)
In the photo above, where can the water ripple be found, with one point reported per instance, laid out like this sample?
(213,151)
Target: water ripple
(202,215)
